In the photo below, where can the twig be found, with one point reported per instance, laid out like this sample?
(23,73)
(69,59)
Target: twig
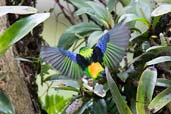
(57,20)
(70,11)
(70,19)
(103,2)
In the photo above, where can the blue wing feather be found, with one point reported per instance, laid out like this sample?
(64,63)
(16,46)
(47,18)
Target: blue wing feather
(102,43)
(119,36)
(111,47)
(69,54)
(62,60)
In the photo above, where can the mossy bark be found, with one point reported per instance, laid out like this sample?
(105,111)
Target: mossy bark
(14,78)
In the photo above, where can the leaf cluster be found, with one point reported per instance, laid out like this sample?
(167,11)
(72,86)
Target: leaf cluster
(145,70)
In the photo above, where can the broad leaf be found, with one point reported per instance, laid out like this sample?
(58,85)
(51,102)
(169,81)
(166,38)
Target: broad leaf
(111,106)
(79,3)
(84,10)
(132,17)
(163,1)
(160,100)
(51,77)
(161,10)
(17,10)
(5,105)
(123,75)
(97,11)
(67,40)
(111,4)
(93,38)
(125,2)
(145,90)
(99,106)
(67,88)
(54,104)
(163,82)
(83,28)
(143,9)
(158,48)
(19,29)
(140,12)
(75,33)
(101,14)
(158,60)
(118,99)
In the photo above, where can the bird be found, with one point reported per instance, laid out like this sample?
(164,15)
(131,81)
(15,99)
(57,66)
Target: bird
(108,51)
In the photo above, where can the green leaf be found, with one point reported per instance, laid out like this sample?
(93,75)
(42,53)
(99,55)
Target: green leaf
(19,29)
(161,100)
(54,103)
(111,106)
(93,38)
(67,82)
(99,106)
(161,10)
(155,21)
(125,2)
(84,10)
(163,1)
(132,17)
(163,82)
(123,75)
(67,88)
(51,77)
(145,90)
(5,105)
(17,10)
(97,11)
(67,40)
(111,4)
(143,9)
(118,99)
(159,60)
(44,72)
(83,28)
(158,48)
(101,14)
(79,3)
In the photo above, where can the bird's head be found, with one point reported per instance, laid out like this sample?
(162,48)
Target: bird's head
(86,52)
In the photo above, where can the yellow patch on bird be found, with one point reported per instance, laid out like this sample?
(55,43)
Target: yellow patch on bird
(95,69)
(86,52)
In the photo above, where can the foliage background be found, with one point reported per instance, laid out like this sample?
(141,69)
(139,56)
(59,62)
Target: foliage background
(143,37)
(140,85)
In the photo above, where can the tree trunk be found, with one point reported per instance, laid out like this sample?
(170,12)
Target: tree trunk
(15,86)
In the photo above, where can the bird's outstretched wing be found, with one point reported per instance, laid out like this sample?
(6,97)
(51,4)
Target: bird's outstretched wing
(62,60)
(111,47)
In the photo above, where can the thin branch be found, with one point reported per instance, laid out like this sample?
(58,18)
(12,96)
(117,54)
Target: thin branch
(63,9)
(70,11)
(103,2)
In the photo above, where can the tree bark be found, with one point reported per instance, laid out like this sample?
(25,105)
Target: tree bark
(15,86)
